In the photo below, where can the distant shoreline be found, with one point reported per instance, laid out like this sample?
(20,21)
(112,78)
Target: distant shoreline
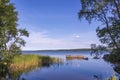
(61,49)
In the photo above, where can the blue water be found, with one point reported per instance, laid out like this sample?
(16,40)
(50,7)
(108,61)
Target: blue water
(91,69)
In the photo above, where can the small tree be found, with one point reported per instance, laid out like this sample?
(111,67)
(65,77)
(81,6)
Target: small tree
(11,38)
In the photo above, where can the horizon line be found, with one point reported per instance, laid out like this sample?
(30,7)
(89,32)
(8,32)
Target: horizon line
(58,49)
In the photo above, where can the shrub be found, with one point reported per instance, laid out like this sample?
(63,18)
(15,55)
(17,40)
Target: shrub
(113,57)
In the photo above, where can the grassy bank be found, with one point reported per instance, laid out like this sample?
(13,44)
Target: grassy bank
(25,62)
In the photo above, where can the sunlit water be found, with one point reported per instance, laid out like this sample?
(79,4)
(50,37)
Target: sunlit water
(91,69)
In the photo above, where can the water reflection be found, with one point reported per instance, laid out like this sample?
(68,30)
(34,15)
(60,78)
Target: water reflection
(96,77)
(70,69)
(8,73)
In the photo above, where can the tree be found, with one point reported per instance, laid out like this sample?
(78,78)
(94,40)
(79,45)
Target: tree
(97,50)
(11,38)
(105,38)
(108,13)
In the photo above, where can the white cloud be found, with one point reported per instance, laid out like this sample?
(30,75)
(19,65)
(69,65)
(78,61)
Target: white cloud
(41,40)
(76,36)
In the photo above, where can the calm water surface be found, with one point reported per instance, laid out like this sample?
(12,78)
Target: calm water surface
(90,69)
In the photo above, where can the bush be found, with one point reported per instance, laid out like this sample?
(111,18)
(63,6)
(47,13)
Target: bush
(113,57)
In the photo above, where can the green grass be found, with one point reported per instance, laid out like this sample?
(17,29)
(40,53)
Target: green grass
(24,62)
(29,58)
(25,58)
(29,61)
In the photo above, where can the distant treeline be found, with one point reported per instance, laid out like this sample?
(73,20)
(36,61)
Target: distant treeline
(82,49)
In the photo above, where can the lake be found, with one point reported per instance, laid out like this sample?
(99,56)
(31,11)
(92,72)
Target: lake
(91,69)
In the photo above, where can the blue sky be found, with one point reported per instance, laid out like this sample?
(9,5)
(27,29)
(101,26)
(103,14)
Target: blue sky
(54,24)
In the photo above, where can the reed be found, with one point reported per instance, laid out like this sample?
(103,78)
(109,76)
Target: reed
(26,62)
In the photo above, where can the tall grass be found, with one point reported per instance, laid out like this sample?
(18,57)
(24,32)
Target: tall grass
(25,62)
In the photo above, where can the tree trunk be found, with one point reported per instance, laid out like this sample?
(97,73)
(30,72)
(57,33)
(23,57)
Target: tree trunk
(4,41)
(117,8)
(109,32)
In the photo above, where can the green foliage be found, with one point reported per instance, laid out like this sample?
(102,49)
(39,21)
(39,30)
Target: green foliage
(107,12)
(11,38)
(105,37)
(112,57)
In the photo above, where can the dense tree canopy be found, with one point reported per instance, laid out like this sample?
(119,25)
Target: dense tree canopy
(11,38)
(108,13)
